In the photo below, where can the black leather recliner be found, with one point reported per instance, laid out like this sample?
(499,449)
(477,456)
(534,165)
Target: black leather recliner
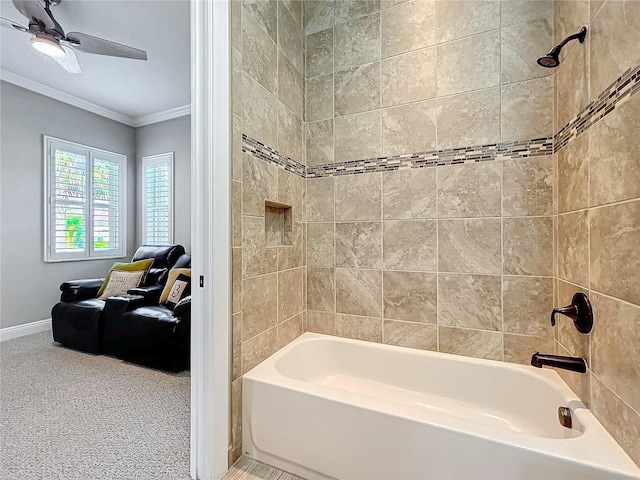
(141,330)
(77,320)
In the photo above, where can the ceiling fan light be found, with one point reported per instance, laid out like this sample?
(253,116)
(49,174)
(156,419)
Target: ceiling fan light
(47,45)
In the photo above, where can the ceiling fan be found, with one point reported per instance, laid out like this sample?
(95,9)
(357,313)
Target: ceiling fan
(49,38)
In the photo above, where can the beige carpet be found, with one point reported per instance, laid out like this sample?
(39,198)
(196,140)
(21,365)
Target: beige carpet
(66,415)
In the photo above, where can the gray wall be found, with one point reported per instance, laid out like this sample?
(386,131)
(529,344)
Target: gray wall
(169,136)
(30,287)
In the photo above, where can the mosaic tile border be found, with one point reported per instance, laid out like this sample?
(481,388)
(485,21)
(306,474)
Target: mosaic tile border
(625,87)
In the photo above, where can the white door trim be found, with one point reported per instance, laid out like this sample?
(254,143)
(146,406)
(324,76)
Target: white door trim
(211,237)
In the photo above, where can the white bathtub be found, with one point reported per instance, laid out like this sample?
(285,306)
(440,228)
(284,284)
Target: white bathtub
(328,407)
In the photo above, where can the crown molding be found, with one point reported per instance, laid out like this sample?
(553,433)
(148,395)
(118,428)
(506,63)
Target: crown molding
(67,98)
(74,101)
(162,116)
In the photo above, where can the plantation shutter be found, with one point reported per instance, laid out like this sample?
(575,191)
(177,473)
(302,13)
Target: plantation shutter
(158,199)
(85,190)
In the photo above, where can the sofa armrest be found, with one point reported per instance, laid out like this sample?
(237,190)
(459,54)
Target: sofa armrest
(183,307)
(151,293)
(74,290)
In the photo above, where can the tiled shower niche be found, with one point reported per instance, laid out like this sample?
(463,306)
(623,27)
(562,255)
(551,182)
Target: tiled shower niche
(278,223)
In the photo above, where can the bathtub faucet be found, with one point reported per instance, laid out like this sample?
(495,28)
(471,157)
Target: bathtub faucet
(575,364)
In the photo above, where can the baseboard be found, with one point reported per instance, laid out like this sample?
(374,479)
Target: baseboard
(26,329)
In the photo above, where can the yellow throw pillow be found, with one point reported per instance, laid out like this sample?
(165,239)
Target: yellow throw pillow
(173,275)
(143,265)
(121,282)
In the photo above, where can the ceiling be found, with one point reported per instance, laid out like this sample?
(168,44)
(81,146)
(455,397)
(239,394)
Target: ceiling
(132,88)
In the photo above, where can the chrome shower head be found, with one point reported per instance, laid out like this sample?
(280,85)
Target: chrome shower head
(552,59)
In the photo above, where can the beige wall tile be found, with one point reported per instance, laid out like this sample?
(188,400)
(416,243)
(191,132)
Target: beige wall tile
(408,26)
(289,133)
(236,149)
(293,256)
(358,197)
(520,348)
(469,190)
(259,54)
(527,109)
(236,213)
(319,98)
(257,260)
(295,9)
(320,199)
(357,42)
(469,64)
(350,9)
(260,305)
(357,136)
(359,292)
(321,289)
(259,183)
(469,246)
(236,81)
(412,335)
(471,343)
(528,246)
(614,38)
(290,287)
(622,422)
(360,328)
(614,155)
(319,53)
(321,322)
(572,83)
(290,86)
(573,180)
(291,192)
(289,330)
(320,245)
(463,18)
(259,348)
(615,357)
(527,304)
(410,245)
(318,15)
(409,194)
(319,142)
(410,77)
(236,411)
(573,247)
(236,23)
(569,17)
(359,245)
(528,186)
(265,13)
(259,108)
(290,38)
(519,11)
(570,339)
(357,89)
(410,296)
(469,119)
(409,128)
(236,346)
(470,301)
(614,240)
(236,283)
(522,44)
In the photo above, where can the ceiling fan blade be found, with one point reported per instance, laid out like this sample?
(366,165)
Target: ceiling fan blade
(69,62)
(90,44)
(5,22)
(33,8)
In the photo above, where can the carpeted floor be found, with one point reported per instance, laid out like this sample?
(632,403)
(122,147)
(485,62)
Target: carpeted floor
(66,415)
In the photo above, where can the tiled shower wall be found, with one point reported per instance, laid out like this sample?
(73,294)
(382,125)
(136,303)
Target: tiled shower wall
(391,77)
(598,207)
(454,258)
(267,103)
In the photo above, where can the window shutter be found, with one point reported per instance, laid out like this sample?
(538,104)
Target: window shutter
(158,199)
(106,205)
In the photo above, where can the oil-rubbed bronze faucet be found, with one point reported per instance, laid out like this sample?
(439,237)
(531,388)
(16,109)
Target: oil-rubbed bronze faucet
(575,364)
(579,311)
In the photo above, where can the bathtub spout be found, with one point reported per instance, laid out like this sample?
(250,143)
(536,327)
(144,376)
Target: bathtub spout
(575,364)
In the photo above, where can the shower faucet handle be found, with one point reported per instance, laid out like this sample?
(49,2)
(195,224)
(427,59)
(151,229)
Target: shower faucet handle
(579,311)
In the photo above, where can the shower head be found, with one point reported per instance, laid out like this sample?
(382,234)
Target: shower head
(552,59)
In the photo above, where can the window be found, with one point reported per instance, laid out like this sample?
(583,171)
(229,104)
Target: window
(85,202)
(157,199)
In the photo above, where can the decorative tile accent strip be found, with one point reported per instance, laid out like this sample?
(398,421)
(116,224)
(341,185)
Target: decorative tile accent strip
(625,87)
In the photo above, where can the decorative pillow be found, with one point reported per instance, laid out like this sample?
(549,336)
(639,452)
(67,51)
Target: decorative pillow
(121,282)
(140,265)
(170,295)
